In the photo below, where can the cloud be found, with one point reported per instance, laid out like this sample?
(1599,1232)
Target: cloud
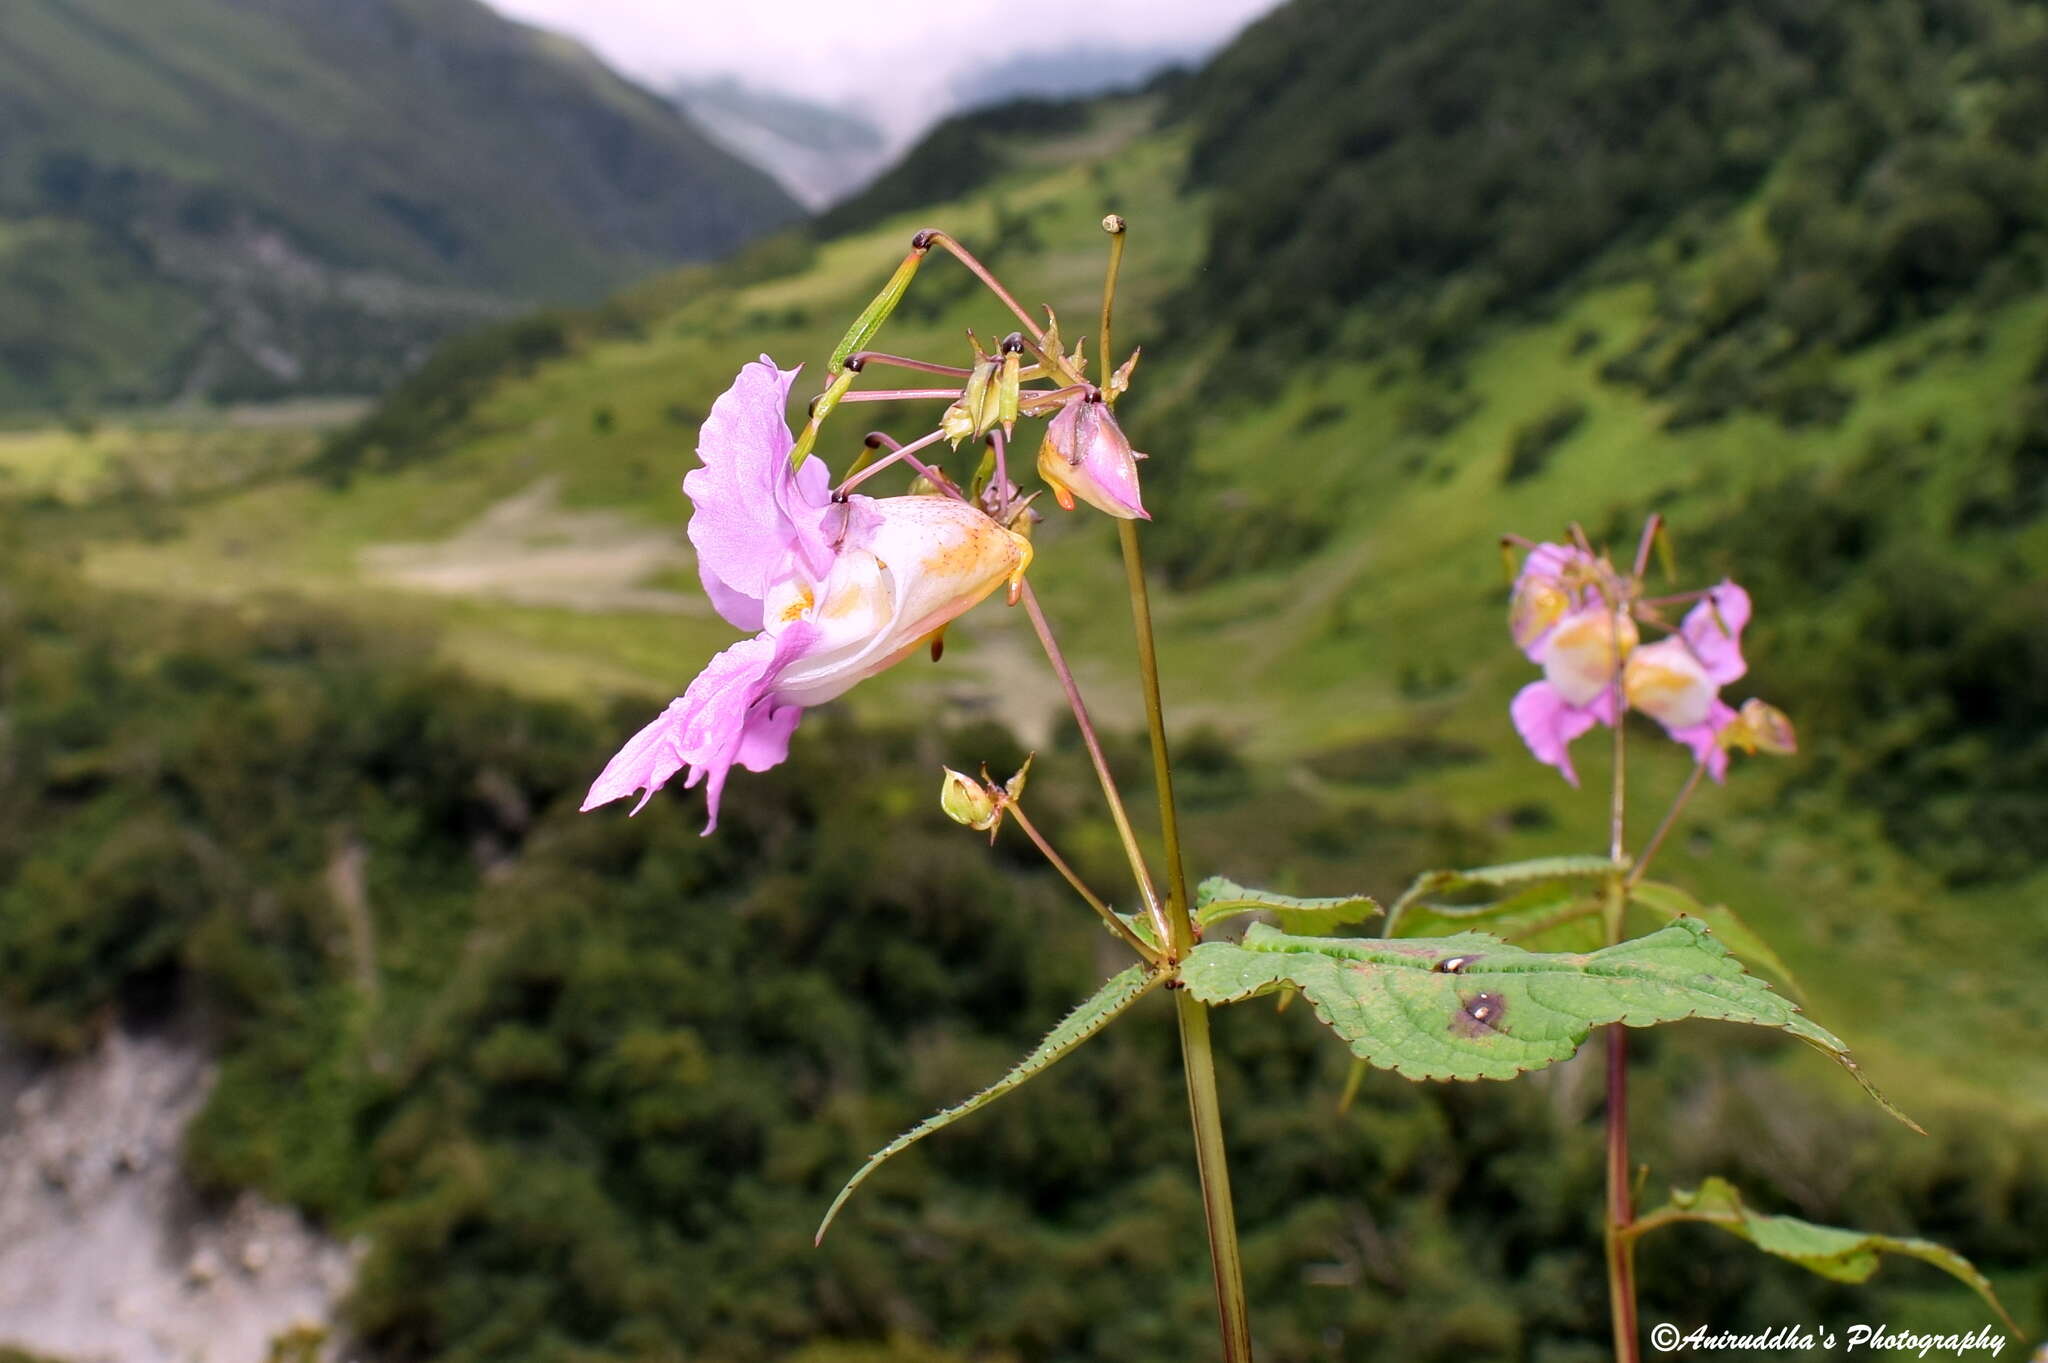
(898,59)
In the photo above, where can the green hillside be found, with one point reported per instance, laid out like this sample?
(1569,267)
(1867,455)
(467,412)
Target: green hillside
(1380,329)
(203,198)
(1336,528)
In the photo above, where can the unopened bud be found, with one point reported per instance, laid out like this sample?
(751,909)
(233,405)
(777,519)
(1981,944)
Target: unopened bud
(978,407)
(1086,455)
(1009,388)
(1761,727)
(967,801)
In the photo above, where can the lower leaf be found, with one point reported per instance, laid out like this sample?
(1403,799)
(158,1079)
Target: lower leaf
(1848,1256)
(1117,994)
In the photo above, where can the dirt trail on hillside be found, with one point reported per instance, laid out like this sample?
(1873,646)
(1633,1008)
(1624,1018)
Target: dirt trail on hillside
(531,551)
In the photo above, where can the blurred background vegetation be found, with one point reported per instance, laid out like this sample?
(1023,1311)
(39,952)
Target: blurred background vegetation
(296,706)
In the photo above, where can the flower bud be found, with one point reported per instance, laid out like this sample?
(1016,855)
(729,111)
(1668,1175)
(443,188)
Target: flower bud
(1761,727)
(967,801)
(979,405)
(1009,387)
(1086,455)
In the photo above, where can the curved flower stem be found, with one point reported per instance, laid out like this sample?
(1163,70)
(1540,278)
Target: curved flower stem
(1198,1057)
(1110,920)
(860,359)
(981,272)
(1678,803)
(898,394)
(899,450)
(1117,814)
(898,453)
(1651,529)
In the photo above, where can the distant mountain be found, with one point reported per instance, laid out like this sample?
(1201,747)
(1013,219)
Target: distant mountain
(1084,69)
(252,197)
(827,155)
(818,152)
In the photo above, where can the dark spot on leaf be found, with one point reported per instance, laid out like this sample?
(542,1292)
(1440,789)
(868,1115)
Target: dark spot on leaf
(1481,1015)
(1455,965)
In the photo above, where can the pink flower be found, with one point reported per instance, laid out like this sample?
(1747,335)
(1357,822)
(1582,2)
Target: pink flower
(1564,617)
(1677,681)
(1086,455)
(838,590)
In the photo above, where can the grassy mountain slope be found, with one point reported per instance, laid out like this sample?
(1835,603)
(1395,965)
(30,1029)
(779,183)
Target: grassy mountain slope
(215,198)
(1334,532)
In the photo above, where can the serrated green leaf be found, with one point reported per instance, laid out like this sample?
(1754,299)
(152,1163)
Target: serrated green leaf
(1668,902)
(1218,898)
(1847,1256)
(1501,877)
(1117,993)
(1561,915)
(1473,1007)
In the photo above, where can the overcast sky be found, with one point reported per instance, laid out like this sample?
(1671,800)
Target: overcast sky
(901,54)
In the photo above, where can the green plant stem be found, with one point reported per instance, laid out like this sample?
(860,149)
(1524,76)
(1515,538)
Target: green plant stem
(1205,1110)
(1182,939)
(1114,225)
(1115,924)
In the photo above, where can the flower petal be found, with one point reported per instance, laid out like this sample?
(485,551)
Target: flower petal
(1666,681)
(1548,723)
(907,566)
(1582,653)
(1704,738)
(1714,630)
(1541,597)
(752,513)
(727,715)
(1085,454)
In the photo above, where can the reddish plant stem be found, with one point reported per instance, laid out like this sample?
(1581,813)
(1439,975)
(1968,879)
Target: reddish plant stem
(1621,1253)
(898,394)
(1153,905)
(1692,783)
(1115,924)
(981,272)
(898,453)
(1621,1269)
